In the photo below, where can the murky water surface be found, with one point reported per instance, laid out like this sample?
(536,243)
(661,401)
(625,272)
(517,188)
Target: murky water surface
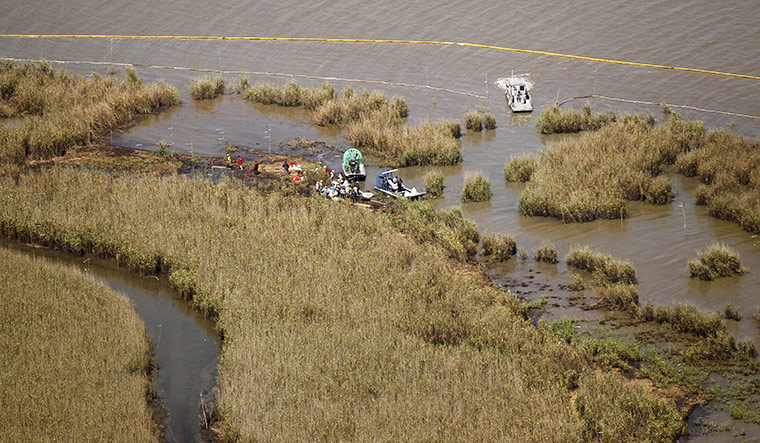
(658,240)
(185,344)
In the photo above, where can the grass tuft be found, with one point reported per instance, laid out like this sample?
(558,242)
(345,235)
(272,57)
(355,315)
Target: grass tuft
(499,246)
(478,120)
(434,183)
(605,268)
(731,312)
(520,169)
(476,188)
(205,88)
(716,260)
(685,318)
(546,253)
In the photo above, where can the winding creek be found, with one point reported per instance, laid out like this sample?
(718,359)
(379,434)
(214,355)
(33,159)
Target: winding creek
(185,344)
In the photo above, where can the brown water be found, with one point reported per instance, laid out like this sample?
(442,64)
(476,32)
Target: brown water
(185,344)
(658,240)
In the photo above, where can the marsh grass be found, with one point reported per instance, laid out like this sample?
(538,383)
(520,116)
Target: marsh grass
(498,246)
(476,187)
(206,88)
(553,120)
(593,175)
(716,260)
(546,253)
(478,120)
(76,358)
(727,165)
(685,318)
(606,269)
(520,169)
(57,110)
(731,312)
(620,296)
(434,183)
(370,121)
(376,335)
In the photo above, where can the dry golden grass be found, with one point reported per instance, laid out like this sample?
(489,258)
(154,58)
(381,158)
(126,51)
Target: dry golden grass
(75,357)
(58,110)
(336,326)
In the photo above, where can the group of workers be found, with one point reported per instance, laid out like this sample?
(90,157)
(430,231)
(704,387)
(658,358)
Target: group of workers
(240,164)
(339,187)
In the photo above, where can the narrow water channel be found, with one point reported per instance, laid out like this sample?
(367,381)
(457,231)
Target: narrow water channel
(185,344)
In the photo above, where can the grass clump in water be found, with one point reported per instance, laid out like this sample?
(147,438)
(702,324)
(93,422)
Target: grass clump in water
(434,183)
(553,120)
(81,359)
(499,246)
(478,120)
(546,253)
(520,169)
(205,88)
(716,260)
(605,268)
(731,312)
(476,188)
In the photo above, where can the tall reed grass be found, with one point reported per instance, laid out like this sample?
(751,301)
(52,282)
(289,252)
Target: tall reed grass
(716,260)
(336,326)
(479,120)
(685,318)
(546,253)
(76,359)
(520,169)
(58,110)
(205,88)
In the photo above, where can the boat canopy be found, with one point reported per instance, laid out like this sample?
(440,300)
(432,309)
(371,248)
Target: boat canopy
(350,155)
(381,177)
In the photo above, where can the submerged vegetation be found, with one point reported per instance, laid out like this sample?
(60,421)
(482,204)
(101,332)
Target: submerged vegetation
(76,358)
(370,121)
(205,88)
(359,352)
(476,187)
(716,260)
(57,111)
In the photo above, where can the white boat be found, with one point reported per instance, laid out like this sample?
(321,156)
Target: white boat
(393,186)
(518,94)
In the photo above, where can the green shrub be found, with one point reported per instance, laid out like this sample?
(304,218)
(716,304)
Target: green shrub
(499,246)
(434,183)
(716,260)
(546,253)
(520,169)
(476,188)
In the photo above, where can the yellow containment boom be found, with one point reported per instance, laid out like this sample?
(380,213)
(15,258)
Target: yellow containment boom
(361,40)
